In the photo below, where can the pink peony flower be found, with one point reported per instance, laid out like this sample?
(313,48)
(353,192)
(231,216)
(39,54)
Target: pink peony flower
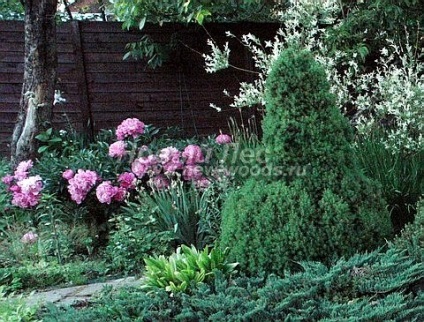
(120,194)
(127,180)
(105,192)
(29,238)
(129,127)
(193,154)
(140,166)
(160,182)
(7,179)
(170,158)
(27,192)
(223,139)
(192,172)
(22,169)
(81,184)
(15,188)
(117,149)
(68,174)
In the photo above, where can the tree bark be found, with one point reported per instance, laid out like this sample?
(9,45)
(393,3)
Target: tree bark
(36,105)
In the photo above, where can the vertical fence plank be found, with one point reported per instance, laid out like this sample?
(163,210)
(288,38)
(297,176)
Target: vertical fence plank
(85,106)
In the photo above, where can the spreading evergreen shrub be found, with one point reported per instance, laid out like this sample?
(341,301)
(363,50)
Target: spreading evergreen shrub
(376,286)
(331,210)
(412,237)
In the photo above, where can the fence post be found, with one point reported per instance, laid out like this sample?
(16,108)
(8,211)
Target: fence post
(85,106)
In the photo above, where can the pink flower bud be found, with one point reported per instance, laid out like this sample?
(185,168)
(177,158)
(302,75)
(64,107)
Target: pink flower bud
(223,139)
(29,238)
(68,174)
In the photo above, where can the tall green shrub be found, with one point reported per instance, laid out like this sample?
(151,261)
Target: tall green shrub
(330,210)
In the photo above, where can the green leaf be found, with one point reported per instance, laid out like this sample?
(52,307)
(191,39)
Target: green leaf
(142,23)
(200,16)
(43,148)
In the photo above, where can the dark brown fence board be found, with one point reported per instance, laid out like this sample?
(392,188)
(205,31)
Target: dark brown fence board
(177,94)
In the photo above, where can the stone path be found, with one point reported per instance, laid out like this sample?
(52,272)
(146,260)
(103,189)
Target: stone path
(77,294)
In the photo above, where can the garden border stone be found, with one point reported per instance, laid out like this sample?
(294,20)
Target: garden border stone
(77,294)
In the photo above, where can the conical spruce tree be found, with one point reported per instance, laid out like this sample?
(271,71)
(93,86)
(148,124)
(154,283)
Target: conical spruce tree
(327,210)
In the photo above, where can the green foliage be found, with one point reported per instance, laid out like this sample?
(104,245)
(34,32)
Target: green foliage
(154,53)
(193,215)
(136,13)
(38,275)
(63,142)
(154,221)
(62,233)
(400,173)
(412,237)
(331,209)
(184,269)
(11,10)
(136,235)
(376,286)
(367,26)
(246,154)
(302,125)
(14,309)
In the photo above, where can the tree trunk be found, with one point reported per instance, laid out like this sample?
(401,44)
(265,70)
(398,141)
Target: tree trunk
(36,105)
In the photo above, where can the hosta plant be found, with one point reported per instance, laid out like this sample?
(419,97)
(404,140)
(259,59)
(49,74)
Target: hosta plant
(186,268)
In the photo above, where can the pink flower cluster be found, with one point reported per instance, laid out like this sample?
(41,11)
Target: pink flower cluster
(129,127)
(223,139)
(27,192)
(26,189)
(106,192)
(29,238)
(193,154)
(169,161)
(22,169)
(127,180)
(143,165)
(80,184)
(117,149)
(170,158)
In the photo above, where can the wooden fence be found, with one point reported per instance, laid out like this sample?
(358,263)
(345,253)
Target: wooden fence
(101,89)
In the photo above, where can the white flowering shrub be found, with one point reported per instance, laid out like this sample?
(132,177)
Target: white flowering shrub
(391,99)
(387,99)
(219,58)
(302,22)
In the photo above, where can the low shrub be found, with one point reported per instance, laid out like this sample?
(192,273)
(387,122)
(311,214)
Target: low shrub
(376,286)
(157,222)
(13,308)
(32,276)
(77,186)
(136,234)
(412,236)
